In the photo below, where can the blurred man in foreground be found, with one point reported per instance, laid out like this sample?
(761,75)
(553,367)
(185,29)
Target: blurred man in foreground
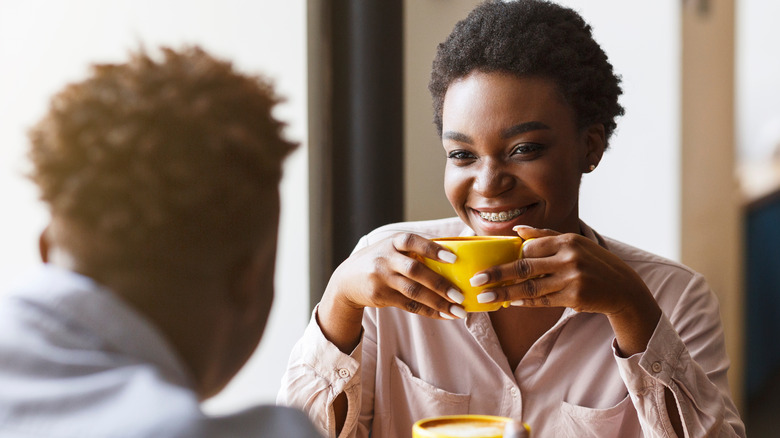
(162,177)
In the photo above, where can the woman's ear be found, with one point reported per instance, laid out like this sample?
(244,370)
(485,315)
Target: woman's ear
(595,143)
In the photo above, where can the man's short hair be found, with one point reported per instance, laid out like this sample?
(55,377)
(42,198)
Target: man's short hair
(176,160)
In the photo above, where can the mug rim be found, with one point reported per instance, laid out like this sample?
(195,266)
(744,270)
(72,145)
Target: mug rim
(474,238)
(419,427)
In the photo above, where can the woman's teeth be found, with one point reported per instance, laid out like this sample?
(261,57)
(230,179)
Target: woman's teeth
(502,216)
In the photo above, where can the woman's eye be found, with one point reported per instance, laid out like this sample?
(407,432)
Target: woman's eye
(460,155)
(527,149)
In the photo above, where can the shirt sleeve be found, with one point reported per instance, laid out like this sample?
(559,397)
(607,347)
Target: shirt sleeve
(687,355)
(317,372)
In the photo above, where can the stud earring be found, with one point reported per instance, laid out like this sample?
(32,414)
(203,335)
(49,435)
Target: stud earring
(592,167)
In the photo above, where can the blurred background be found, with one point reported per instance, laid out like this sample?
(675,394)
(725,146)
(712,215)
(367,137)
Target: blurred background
(691,173)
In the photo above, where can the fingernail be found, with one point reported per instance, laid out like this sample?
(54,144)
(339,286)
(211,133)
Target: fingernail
(525,245)
(447,256)
(517,303)
(456,296)
(520,227)
(457,311)
(486,297)
(478,280)
(446,315)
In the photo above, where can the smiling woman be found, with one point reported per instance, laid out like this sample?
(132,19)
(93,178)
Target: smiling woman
(514,154)
(602,339)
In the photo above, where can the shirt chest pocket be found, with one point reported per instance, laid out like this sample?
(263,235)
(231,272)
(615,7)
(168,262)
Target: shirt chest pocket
(582,422)
(420,399)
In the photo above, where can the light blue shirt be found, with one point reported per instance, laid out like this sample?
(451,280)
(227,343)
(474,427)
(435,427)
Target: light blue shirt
(75,361)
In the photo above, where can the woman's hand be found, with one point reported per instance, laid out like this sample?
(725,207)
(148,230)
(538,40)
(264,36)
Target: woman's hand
(569,270)
(388,273)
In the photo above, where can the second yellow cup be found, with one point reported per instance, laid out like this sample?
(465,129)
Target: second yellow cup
(476,253)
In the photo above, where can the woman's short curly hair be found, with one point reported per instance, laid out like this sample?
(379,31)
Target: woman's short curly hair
(531,38)
(179,154)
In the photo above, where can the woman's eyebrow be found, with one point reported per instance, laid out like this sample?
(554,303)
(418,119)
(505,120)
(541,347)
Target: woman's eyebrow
(522,128)
(507,133)
(457,136)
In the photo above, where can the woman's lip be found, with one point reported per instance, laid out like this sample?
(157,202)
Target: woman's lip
(490,227)
(497,210)
(502,215)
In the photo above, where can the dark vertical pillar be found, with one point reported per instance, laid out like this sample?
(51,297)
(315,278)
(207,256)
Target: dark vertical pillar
(367,119)
(359,167)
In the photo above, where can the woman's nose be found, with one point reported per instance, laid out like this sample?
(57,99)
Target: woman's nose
(492,179)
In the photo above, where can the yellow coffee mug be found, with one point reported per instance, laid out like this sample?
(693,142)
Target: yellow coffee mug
(456,426)
(476,253)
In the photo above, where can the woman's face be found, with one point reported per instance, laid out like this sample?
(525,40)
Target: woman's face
(514,153)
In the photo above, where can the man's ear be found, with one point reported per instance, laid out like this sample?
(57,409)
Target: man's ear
(241,281)
(252,278)
(44,245)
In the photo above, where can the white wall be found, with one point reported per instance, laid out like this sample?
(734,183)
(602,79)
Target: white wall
(758,79)
(45,44)
(634,194)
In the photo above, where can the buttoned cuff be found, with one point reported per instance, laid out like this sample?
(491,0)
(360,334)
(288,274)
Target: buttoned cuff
(660,362)
(327,361)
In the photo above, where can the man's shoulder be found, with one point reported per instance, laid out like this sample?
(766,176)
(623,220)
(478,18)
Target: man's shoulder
(452,226)
(130,400)
(266,420)
(65,372)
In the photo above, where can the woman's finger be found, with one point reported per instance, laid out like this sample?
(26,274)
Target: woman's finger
(539,265)
(418,245)
(408,262)
(418,282)
(539,247)
(539,288)
(527,232)
(541,256)
(414,297)
(555,299)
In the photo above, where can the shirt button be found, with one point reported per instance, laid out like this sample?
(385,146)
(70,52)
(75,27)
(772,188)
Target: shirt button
(343,373)
(656,367)
(513,391)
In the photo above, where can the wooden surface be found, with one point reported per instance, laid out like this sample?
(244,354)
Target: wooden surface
(711,228)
